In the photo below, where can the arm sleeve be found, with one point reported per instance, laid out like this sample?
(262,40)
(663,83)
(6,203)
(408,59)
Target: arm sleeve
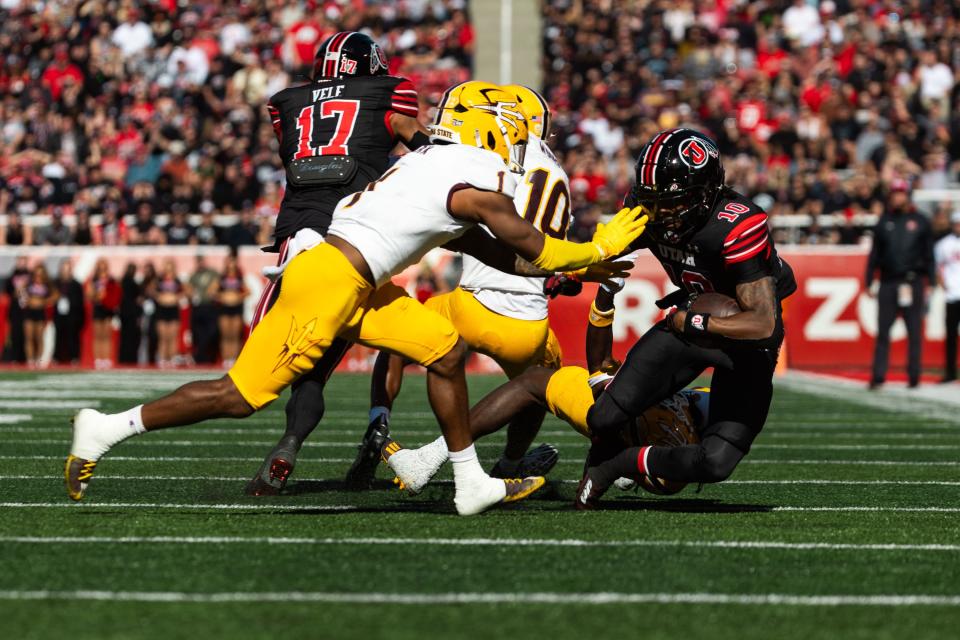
(746,250)
(928,253)
(404,100)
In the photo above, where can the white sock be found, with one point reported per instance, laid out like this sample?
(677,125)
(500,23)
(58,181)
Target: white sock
(134,419)
(376,412)
(466,466)
(509,466)
(117,427)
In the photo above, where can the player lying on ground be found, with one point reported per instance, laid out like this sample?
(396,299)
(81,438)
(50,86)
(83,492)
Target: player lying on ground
(500,315)
(569,393)
(335,134)
(342,288)
(708,238)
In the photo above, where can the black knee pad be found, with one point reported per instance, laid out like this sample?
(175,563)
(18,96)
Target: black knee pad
(736,433)
(719,460)
(712,460)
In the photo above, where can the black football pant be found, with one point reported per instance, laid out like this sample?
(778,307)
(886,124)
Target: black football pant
(660,364)
(950,346)
(887,311)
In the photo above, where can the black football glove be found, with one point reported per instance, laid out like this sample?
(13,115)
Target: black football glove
(562,284)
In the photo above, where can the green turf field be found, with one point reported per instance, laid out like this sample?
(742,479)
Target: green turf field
(844,521)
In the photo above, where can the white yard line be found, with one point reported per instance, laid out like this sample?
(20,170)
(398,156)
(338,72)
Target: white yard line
(194,478)
(50,405)
(178,505)
(113,458)
(762,599)
(746,461)
(304,507)
(160,442)
(479,542)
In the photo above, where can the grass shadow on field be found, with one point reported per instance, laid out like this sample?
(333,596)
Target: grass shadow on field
(683,506)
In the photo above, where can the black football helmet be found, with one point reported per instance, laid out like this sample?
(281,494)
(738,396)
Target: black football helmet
(347,54)
(679,176)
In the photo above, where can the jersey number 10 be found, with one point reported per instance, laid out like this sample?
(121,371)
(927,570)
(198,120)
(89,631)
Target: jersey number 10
(345,111)
(552,220)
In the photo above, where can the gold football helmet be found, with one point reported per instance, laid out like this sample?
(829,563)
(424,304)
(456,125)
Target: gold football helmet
(484,115)
(534,108)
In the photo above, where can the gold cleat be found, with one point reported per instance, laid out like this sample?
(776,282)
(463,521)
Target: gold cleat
(77,473)
(518,489)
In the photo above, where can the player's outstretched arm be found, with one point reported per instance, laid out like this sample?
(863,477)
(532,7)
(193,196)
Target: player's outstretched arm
(497,212)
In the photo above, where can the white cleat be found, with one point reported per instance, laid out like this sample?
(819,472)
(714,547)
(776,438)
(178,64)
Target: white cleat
(479,495)
(414,470)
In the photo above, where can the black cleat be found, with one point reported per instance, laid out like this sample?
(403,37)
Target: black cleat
(597,476)
(364,469)
(590,490)
(276,469)
(538,462)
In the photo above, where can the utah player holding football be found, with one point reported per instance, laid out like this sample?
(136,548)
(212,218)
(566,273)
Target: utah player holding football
(708,238)
(336,134)
(498,314)
(570,391)
(341,289)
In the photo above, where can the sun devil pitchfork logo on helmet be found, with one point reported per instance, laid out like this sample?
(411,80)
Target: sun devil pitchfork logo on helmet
(694,152)
(506,113)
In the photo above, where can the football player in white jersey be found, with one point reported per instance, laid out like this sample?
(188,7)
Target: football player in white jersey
(501,315)
(342,288)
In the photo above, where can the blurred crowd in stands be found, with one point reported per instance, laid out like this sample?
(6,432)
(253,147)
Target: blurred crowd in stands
(135,122)
(163,319)
(819,108)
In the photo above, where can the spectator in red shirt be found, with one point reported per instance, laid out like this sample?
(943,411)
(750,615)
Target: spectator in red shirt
(60,73)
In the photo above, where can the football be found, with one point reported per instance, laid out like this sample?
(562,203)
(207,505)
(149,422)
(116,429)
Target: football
(716,304)
(660,426)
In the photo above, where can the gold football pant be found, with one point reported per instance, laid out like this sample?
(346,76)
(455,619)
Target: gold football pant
(569,397)
(323,297)
(515,345)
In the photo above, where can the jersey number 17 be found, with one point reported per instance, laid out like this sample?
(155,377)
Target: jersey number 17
(345,112)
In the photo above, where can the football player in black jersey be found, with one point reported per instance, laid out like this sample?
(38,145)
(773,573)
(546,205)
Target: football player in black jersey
(336,134)
(709,238)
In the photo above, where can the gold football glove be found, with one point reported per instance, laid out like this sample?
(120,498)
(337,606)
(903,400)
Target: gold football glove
(613,238)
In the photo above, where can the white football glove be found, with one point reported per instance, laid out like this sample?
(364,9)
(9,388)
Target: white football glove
(303,240)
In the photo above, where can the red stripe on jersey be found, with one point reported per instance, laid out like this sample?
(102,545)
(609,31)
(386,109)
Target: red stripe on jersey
(386,123)
(744,240)
(404,99)
(749,252)
(745,227)
(405,110)
(275,120)
(754,227)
